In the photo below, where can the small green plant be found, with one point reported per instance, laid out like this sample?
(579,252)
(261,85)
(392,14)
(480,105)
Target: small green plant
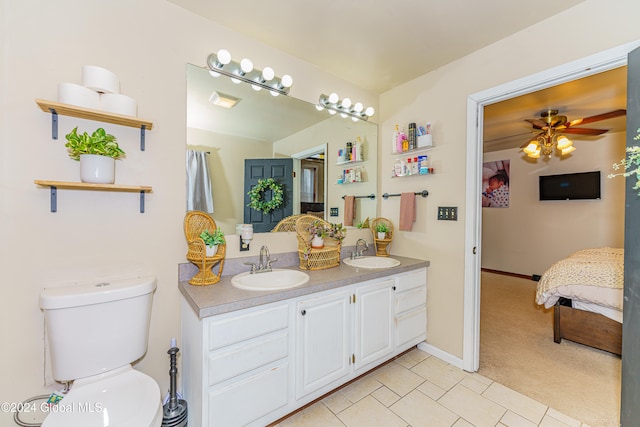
(99,142)
(213,239)
(319,228)
(630,164)
(382,227)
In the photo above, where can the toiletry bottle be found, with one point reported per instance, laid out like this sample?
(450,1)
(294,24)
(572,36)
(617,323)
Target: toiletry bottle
(398,168)
(399,141)
(349,151)
(415,168)
(358,149)
(412,136)
(409,167)
(394,142)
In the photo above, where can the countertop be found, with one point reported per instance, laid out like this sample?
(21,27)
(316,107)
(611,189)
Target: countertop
(222,297)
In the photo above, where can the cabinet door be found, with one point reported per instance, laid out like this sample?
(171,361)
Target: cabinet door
(322,341)
(374,322)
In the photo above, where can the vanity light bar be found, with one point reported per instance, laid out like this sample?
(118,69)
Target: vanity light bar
(243,71)
(344,106)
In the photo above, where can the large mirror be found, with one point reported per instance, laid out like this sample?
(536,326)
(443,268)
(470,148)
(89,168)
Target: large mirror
(263,126)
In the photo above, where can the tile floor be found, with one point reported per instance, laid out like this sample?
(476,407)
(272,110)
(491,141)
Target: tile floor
(417,390)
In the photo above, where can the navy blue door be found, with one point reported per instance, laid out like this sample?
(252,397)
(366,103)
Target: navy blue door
(281,170)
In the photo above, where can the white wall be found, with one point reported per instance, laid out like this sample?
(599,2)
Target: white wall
(440,97)
(95,235)
(530,235)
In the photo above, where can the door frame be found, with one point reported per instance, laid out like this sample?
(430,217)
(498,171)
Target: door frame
(590,65)
(318,149)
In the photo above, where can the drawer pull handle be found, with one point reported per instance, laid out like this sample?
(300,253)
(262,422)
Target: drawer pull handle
(303,312)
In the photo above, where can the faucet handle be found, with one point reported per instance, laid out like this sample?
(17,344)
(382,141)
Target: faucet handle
(253,266)
(269,261)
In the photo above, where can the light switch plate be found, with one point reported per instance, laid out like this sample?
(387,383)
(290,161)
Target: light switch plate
(333,211)
(447,213)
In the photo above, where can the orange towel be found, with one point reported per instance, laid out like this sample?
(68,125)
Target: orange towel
(407,211)
(349,210)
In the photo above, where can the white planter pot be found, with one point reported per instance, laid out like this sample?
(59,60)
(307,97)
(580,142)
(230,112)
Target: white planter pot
(381,235)
(317,242)
(211,250)
(97,169)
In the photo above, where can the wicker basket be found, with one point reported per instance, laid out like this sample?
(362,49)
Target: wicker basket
(195,222)
(314,258)
(286,224)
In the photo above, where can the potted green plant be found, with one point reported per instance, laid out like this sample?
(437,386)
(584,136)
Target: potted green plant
(97,154)
(382,229)
(212,240)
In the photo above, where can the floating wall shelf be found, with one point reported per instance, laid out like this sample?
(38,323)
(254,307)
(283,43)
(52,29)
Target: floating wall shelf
(56,108)
(54,185)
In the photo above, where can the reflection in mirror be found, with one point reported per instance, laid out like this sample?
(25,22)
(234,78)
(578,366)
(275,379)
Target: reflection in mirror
(262,126)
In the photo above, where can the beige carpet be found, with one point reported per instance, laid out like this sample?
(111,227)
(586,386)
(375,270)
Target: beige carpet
(517,350)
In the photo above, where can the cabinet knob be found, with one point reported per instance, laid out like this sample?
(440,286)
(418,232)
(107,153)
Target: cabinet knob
(393,287)
(303,312)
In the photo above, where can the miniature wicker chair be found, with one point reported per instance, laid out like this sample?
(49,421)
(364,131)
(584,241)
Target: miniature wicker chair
(195,222)
(286,224)
(383,246)
(314,258)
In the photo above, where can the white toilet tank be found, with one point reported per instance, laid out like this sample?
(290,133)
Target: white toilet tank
(97,327)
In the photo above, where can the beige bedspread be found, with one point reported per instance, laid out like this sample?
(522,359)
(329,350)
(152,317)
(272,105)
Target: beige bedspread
(589,275)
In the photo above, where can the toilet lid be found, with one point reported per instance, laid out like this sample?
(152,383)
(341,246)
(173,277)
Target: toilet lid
(127,398)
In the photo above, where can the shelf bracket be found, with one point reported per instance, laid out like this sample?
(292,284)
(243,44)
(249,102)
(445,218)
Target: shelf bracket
(142,132)
(141,201)
(54,123)
(54,199)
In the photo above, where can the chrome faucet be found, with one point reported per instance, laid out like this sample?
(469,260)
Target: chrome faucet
(264,264)
(359,253)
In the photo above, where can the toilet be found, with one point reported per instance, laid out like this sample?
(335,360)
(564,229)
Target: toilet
(95,332)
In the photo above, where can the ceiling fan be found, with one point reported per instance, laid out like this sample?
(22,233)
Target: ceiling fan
(551,126)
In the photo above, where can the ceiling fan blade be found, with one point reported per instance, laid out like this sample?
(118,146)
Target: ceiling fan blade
(598,117)
(583,131)
(537,123)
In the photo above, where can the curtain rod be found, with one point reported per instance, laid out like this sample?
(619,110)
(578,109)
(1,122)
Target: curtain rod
(370,196)
(423,193)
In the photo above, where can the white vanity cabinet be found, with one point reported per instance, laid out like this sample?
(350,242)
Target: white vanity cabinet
(237,365)
(253,366)
(323,340)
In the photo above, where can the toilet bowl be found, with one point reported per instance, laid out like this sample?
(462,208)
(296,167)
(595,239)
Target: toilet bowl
(123,397)
(95,332)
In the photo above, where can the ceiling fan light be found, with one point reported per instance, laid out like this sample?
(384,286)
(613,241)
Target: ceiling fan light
(534,154)
(568,150)
(532,147)
(564,142)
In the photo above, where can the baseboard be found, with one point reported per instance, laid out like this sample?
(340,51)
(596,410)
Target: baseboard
(442,355)
(506,273)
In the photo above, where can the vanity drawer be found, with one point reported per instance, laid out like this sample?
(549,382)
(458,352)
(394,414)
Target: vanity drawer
(411,328)
(411,299)
(411,280)
(244,402)
(247,356)
(237,328)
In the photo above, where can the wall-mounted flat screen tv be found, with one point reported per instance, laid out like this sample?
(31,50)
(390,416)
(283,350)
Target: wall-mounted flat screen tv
(571,186)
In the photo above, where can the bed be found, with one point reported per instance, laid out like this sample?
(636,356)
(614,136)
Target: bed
(586,291)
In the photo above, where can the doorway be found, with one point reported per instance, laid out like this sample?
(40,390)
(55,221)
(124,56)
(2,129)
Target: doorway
(311,189)
(594,64)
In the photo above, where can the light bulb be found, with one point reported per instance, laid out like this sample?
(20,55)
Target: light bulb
(563,142)
(256,88)
(358,107)
(333,98)
(319,107)
(332,112)
(214,74)
(354,119)
(246,65)
(343,115)
(346,103)
(268,74)
(370,111)
(236,81)
(224,57)
(287,80)
(568,150)
(274,93)
(532,147)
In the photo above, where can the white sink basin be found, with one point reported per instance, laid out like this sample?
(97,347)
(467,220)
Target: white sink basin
(270,281)
(372,262)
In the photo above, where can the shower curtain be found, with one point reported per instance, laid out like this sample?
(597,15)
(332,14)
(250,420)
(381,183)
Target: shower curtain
(199,195)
